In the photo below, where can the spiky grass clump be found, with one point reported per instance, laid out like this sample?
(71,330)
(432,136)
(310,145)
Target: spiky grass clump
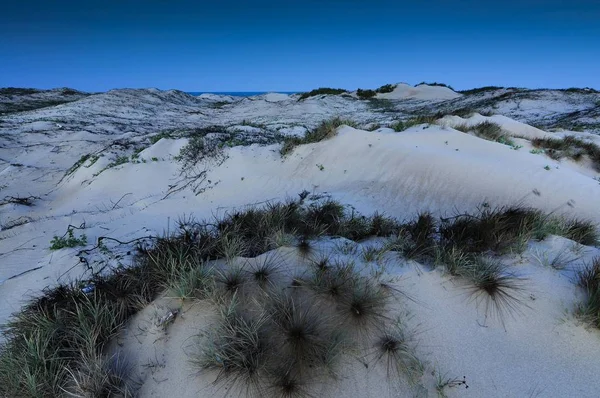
(302,331)
(49,337)
(332,280)
(364,306)
(383,226)
(500,290)
(265,270)
(501,229)
(230,281)
(395,347)
(589,280)
(237,349)
(98,376)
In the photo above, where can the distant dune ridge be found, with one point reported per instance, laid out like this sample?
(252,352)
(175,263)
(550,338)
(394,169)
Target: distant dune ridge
(452,237)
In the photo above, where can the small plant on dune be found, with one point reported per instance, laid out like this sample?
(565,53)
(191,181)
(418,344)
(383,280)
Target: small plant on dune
(194,281)
(332,280)
(499,289)
(364,305)
(266,269)
(232,246)
(67,240)
(230,280)
(370,253)
(383,226)
(237,349)
(394,346)
(365,94)
(560,261)
(443,382)
(322,91)
(414,121)
(452,258)
(327,129)
(571,147)
(286,382)
(489,131)
(98,376)
(305,247)
(581,231)
(420,236)
(77,164)
(301,329)
(589,280)
(500,229)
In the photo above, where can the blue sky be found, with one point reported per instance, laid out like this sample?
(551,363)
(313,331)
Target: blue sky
(263,45)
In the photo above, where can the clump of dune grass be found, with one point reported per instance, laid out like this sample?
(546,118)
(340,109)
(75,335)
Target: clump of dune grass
(501,229)
(487,130)
(327,129)
(237,349)
(48,343)
(322,91)
(402,125)
(499,289)
(589,280)
(569,147)
(100,376)
(394,346)
(363,307)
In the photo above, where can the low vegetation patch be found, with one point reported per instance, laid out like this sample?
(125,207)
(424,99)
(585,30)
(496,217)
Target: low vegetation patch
(67,240)
(322,91)
(276,334)
(570,147)
(402,125)
(480,90)
(365,94)
(327,129)
(386,88)
(488,131)
(589,280)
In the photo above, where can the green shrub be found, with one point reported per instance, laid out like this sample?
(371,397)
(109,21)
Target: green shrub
(387,88)
(480,90)
(365,94)
(322,91)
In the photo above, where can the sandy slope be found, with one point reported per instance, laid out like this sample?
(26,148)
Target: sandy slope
(539,352)
(546,352)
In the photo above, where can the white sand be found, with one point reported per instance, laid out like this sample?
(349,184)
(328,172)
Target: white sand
(546,352)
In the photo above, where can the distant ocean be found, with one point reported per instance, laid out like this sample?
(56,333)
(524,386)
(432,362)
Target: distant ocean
(239,93)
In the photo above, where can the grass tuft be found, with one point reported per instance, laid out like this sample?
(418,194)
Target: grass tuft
(499,289)
(589,280)
(327,129)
